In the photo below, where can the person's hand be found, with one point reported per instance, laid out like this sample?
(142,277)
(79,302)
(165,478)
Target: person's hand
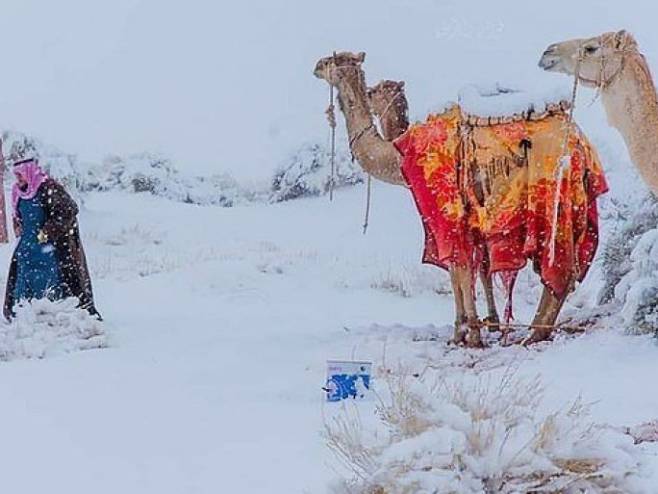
(42,238)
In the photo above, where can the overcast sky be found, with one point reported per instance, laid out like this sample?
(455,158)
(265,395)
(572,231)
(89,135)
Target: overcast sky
(227,85)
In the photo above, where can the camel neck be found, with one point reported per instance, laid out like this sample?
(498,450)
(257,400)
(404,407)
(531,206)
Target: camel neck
(353,101)
(631,107)
(376,156)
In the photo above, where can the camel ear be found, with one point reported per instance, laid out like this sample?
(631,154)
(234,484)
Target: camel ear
(401,85)
(625,39)
(361,56)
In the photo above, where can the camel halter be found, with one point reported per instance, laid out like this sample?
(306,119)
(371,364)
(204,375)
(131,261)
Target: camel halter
(601,82)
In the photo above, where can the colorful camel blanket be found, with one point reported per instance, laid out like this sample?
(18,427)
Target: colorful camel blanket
(493,182)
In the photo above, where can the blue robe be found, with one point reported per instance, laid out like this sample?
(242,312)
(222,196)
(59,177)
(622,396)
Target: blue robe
(38,274)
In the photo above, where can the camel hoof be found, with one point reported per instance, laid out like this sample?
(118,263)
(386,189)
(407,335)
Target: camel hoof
(537,336)
(492,323)
(473,337)
(459,334)
(458,339)
(477,344)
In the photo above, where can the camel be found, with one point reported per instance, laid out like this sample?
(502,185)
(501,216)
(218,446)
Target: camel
(379,157)
(390,107)
(613,65)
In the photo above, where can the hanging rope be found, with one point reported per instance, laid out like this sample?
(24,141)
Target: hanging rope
(368,198)
(366,220)
(331,117)
(562,327)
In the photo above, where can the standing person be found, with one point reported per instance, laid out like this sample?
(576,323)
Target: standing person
(49,261)
(4,235)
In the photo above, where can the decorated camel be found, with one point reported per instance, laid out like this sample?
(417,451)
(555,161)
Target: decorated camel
(390,107)
(486,189)
(613,65)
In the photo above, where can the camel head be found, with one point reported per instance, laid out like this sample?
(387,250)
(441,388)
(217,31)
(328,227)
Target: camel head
(601,57)
(331,68)
(382,95)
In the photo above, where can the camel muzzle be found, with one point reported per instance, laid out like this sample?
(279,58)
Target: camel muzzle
(549,59)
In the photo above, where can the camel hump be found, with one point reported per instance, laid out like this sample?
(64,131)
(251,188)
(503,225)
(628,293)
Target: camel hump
(482,105)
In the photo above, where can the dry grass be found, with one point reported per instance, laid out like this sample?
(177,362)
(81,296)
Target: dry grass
(475,436)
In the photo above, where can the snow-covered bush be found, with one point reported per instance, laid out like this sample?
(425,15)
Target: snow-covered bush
(308,173)
(158,176)
(305,174)
(476,437)
(64,167)
(43,328)
(630,269)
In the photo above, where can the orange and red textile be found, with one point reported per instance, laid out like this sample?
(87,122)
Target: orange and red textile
(495,185)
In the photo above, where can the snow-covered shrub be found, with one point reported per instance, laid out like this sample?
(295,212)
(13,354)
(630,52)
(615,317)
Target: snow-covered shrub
(477,437)
(158,176)
(617,251)
(43,328)
(64,167)
(646,432)
(630,269)
(308,173)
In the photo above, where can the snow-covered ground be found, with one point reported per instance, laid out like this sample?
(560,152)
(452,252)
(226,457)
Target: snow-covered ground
(206,375)
(220,321)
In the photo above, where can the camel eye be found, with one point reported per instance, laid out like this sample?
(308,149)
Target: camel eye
(590,50)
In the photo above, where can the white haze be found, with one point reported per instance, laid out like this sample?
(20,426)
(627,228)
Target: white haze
(228,86)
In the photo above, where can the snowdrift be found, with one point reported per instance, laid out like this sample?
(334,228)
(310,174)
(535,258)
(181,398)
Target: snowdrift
(44,328)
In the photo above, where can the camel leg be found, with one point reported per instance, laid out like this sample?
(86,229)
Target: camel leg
(459,335)
(465,280)
(547,313)
(487,283)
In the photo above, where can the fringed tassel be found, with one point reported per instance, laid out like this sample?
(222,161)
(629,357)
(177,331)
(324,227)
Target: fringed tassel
(508,279)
